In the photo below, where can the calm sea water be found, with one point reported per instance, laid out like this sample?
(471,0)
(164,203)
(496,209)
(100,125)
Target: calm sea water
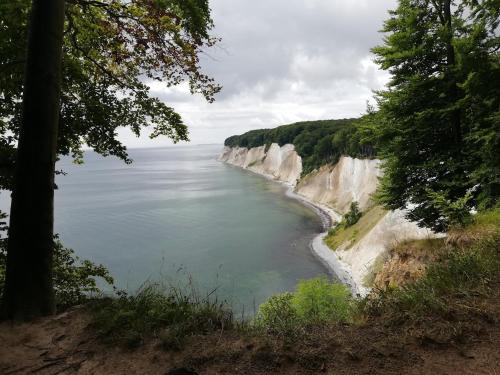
(177,211)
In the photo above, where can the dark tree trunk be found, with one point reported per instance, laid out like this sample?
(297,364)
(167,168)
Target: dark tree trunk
(29,288)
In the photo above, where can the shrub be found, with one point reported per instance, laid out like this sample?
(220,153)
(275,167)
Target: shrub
(318,300)
(74,279)
(315,301)
(278,315)
(353,216)
(169,314)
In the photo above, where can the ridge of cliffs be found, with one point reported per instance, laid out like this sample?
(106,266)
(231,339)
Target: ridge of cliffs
(333,187)
(279,163)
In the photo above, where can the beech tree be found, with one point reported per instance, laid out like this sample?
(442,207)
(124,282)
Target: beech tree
(83,76)
(438,124)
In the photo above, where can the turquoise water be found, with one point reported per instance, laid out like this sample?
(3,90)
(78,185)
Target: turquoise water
(177,211)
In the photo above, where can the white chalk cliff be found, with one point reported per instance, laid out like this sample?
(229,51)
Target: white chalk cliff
(332,188)
(338,185)
(279,163)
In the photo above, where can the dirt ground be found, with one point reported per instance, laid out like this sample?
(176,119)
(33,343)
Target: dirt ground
(64,344)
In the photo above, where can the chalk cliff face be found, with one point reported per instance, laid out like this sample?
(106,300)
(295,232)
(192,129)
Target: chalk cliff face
(280,163)
(347,181)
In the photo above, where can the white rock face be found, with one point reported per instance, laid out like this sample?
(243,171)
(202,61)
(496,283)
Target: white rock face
(390,230)
(279,163)
(337,186)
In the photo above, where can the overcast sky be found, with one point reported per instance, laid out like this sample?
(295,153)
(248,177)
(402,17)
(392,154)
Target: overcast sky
(281,61)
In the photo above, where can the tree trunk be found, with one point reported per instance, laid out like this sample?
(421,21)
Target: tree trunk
(29,288)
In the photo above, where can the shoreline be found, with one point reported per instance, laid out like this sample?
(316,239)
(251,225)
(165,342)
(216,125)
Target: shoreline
(319,249)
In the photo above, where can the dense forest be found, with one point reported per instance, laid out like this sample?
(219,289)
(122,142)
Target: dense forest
(317,142)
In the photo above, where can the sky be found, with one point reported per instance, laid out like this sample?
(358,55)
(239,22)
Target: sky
(279,62)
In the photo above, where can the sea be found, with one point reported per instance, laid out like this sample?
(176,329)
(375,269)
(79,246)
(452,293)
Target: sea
(178,216)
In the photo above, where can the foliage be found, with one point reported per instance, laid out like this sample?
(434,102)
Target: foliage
(465,272)
(278,315)
(317,142)
(169,314)
(452,213)
(438,122)
(75,280)
(315,301)
(353,216)
(112,48)
(318,300)
(348,220)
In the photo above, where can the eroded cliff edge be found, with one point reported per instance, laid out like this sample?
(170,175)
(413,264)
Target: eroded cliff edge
(332,188)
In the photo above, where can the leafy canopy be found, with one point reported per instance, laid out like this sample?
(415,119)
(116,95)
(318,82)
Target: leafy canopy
(438,127)
(111,49)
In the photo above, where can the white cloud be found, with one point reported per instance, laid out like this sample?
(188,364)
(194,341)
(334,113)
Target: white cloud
(282,61)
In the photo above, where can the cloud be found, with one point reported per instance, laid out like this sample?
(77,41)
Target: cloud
(282,61)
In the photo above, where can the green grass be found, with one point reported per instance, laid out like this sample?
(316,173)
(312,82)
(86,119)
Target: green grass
(168,314)
(351,235)
(486,222)
(483,224)
(490,217)
(171,315)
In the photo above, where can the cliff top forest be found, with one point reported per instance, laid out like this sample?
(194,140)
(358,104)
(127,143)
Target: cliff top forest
(317,142)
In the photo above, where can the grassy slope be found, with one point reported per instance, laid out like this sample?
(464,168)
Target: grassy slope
(349,236)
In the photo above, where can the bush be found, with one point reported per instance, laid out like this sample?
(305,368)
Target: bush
(318,300)
(169,314)
(353,216)
(74,279)
(315,301)
(278,315)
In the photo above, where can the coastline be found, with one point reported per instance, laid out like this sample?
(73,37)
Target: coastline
(319,249)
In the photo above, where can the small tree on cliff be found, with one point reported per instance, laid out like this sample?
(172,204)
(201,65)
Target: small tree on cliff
(81,79)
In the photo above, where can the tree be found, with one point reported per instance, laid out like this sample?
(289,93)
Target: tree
(109,49)
(429,129)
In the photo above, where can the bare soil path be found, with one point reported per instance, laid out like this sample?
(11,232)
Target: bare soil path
(64,344)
